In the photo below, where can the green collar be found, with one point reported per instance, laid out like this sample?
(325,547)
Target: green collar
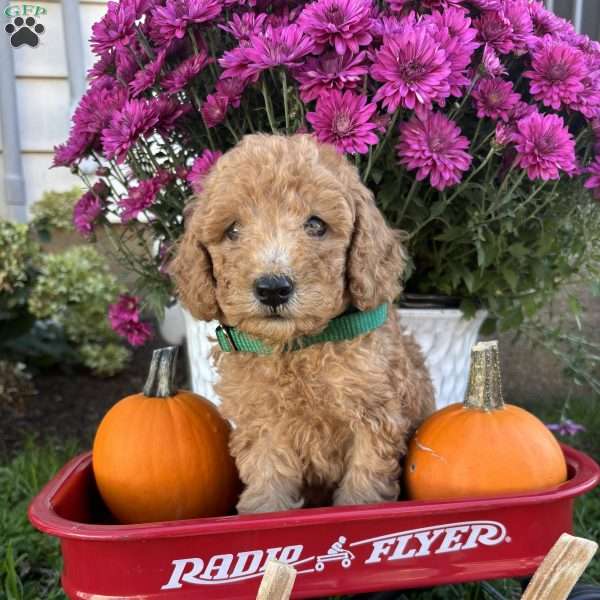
(345,327)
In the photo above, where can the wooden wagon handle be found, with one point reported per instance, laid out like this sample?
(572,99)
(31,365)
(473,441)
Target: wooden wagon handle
(561,568)
(277,582)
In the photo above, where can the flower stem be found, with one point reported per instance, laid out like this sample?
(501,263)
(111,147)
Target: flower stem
(476,134)
(453,114)
(285,101)
(472,174)
(144,42)
(369,164)
(382,144)
(409,197)
(193,42)
(207,129)
(231,130)
(268,106)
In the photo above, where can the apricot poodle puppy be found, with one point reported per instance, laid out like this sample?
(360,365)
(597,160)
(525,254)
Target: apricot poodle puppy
(284,238)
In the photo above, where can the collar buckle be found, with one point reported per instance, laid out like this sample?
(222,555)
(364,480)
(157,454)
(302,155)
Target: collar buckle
(226,330)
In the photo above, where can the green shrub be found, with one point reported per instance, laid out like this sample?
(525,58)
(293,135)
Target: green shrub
(74,289)
(54,210)
(104,359)
(53,307)
(17,254)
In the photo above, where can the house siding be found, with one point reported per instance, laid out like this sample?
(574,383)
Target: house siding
(44,102)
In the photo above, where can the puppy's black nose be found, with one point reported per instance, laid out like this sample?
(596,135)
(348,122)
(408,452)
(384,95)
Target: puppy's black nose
(273,290)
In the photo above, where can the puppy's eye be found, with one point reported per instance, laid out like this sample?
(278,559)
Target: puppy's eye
(315,227)
(233,231)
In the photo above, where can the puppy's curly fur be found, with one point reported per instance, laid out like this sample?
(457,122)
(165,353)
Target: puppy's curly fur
(331,419)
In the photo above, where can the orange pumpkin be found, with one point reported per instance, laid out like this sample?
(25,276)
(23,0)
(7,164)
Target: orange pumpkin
(482,447)
(163,454)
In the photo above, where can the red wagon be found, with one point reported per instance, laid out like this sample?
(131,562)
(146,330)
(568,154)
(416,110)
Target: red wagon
(344,550)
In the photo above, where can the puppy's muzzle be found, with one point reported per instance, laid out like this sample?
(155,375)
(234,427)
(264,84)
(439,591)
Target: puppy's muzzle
(273,290)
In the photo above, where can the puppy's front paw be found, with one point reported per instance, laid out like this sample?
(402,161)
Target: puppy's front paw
(350,495)
(252,502)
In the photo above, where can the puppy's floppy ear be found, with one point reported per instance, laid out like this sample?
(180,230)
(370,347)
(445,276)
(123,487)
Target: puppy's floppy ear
(376,257)
(191,269)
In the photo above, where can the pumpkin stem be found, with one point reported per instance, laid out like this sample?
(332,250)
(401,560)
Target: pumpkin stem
(161,374)
(485,384)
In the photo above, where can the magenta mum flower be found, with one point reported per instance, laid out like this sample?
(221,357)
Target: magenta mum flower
(496,5)
(556,74)
(105,65)
(127,308)
(404,5)
(345,120)
(544,146)
(391,25)
(136,119)
(214,109)
(125,319)
(116,29)
(491,64)
(146,77)
(330,71)
(517,13)
(495,98)
(243,27)
(434,145)
(172,20)
(139,199)
(414,71)
(168,112)
(249,3)
(85,212)
(343,24)
(456,24)
(236,64)
(452,30)
(505,130)
(280,46)
(544,20)
(126,63)
(181,75)
(139,7)
(97,107)
(587,101)
(137,333)
(93,115)
(593,182)
(201,167)
(73,150)
(232,89)
(496,30)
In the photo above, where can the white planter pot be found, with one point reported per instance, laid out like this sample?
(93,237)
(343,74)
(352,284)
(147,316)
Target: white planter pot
(443,334)
(445,338)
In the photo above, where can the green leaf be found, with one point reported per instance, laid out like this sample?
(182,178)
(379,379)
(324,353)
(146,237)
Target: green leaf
(518,250)
(437,209)
(480,255)
(377,175)
(452,233)
(468,307)
(510,276)
(489,326)
(468,278)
